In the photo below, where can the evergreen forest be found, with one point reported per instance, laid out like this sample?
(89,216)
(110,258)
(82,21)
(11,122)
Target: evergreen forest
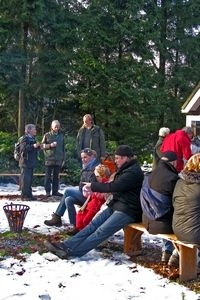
(131,64)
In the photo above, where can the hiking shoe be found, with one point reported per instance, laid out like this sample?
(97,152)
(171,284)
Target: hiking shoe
(57,249)
(174,260)
(54,221)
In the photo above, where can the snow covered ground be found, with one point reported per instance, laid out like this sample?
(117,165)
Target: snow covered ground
(89,277)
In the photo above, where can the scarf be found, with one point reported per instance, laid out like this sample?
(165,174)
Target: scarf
(90,164)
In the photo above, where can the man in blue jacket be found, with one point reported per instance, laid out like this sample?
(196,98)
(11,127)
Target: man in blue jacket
(123,208)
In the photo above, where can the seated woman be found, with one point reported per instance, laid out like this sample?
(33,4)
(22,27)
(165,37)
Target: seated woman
(186,203)
(93,203)
(73,194)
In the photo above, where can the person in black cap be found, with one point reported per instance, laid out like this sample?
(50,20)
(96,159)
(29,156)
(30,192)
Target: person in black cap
(124,208)
(156,199)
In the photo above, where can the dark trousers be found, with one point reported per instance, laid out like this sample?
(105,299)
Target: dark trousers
(51,181)
(26,180)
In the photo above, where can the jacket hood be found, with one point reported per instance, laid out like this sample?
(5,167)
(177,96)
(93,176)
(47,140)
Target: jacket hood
(191,177)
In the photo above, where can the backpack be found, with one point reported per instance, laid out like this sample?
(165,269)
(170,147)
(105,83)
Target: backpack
(17,153)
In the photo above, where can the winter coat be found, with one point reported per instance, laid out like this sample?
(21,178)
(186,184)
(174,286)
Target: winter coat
(54,156)
(96,200)
(180,143)
(97,141)
(156,198)
(186,202)
(29,158)
(125,189)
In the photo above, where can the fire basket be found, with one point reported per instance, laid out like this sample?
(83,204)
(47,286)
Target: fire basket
(16,214)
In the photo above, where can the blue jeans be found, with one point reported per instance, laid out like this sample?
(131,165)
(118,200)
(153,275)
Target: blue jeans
(167,246)
(100,228)
(72,196)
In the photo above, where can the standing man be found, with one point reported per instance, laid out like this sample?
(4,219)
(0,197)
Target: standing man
(54,152)
(163,132)
(28,161)
(91,136)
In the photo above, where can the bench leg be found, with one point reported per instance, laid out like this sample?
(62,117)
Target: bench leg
(132,241)
(187,263)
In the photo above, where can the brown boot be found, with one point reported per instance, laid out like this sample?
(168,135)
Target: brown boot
(55,221)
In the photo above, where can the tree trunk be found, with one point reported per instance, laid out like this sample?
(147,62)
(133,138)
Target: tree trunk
(21,113)
(21,106)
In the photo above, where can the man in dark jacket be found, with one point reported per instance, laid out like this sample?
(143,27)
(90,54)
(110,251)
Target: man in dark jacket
(124,208)
(156,199)
(91,136)
(28,161)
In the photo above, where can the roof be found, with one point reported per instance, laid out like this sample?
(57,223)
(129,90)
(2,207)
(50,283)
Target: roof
(192,104)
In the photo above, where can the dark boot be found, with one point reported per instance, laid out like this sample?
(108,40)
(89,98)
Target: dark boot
(57,249)
(55,221)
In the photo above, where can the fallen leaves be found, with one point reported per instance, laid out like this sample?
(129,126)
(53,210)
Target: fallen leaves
(17,246)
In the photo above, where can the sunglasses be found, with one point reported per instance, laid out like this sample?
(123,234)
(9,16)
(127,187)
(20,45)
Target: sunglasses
(87,151)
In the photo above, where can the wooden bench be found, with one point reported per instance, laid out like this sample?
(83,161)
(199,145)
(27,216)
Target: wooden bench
(187,252)
(16,176)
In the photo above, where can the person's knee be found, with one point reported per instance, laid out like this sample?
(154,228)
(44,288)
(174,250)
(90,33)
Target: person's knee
(67,192)
(69,201)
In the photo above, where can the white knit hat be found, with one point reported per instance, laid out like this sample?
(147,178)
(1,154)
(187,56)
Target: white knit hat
(163,131)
